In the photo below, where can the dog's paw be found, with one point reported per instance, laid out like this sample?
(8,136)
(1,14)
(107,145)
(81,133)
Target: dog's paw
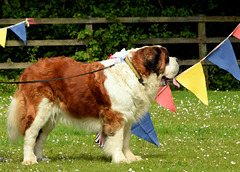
(134,158)
(137,158)
(46,159)
(120,158)
(131,157)
(124,160)
(30,160)
(2,159)
(43,159)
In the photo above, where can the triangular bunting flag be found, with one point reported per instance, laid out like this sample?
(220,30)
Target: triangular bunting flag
(225,58)
(194,80)
(165,98)
(236,32)
(145,130)
(3,36)
(20,31)
(30,22)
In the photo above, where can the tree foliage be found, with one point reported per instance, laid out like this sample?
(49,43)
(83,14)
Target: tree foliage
(107,39)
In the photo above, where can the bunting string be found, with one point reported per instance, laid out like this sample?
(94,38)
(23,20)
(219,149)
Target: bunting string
(8,27)
(19,29)
(223,56)
(159,92)
(220,44)
(238,27)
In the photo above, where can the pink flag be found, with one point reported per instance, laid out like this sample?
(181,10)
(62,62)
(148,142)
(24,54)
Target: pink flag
(165,99)
(236,32)
(30,21)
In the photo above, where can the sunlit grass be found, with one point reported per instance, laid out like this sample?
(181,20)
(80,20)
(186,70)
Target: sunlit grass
(198,138)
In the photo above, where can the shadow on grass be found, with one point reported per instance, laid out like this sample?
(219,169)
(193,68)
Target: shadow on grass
(99,158)
(85,157)
(157,156)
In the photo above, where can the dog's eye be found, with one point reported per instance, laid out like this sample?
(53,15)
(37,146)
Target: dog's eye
(167,60)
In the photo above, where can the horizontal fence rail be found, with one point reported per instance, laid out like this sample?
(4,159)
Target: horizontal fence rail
(27,64)
(97,20)
(69,42)
(201,40)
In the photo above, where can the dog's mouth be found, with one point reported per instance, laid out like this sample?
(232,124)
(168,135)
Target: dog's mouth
(165,81)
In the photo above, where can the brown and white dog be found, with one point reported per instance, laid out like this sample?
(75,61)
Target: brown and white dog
(108,101)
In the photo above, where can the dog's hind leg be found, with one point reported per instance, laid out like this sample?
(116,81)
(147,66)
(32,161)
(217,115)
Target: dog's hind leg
(43,114)
(42,137)
(126,144)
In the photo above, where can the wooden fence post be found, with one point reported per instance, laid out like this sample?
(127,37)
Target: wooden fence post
(203,46)
(90,28)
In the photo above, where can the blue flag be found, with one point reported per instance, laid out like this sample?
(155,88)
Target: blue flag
(145,130)
(225,58)
(20,31)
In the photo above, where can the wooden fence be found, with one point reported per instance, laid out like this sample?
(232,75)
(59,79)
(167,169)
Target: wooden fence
(202,40)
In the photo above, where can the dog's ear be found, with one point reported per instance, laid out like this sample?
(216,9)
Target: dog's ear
(164,60)
(156,61)
(152,59)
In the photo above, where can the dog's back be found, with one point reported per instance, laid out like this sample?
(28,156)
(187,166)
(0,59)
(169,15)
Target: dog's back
(73,95)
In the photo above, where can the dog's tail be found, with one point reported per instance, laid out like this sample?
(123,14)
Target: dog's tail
(16,113)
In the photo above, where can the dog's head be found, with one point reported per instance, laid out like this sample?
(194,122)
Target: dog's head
(155,59)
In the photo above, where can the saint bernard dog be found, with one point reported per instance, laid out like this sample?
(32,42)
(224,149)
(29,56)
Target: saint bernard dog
(108,101)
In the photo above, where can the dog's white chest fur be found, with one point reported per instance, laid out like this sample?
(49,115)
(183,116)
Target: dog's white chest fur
(128,96)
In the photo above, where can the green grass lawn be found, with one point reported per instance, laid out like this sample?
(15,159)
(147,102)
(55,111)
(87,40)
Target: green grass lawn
(198,138)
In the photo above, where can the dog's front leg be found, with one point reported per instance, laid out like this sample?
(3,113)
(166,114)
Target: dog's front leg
(126,144)
(113,129)
(113,147)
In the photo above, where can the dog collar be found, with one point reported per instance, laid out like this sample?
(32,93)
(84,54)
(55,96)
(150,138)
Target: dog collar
(130,64)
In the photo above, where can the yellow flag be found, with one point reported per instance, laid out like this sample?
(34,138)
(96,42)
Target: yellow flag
(3,36)
(194,80)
